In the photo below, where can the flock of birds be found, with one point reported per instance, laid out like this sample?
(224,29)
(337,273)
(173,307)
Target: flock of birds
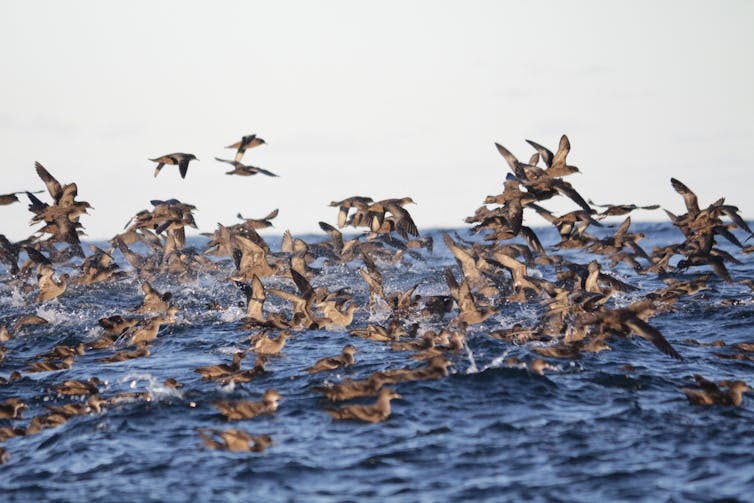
(577,311)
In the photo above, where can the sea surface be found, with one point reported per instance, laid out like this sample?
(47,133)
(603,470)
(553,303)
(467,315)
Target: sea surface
(590,429)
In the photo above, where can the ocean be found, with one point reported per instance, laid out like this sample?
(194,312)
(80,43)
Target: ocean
(606,426)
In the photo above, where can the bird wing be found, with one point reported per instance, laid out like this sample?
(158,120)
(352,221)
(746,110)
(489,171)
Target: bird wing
(532,239)
(621,231)
(303,285)
(335,235)
(567,190)
(559,160)
(265,172)
(648,332)
(544,153)
(692,204)
(53,186)
(511,160)
(183,167)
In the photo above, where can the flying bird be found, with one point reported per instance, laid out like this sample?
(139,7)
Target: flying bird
(181,159)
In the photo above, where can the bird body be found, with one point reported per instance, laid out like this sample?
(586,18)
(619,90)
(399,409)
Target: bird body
(375,413)
(334,362)
(180,159)
(244,409)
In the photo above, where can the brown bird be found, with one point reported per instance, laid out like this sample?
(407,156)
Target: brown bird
(214,372)
(93,405)
(181,159)
(436,368)
(117,324)
(334,316)
(556,164)
(614,210)
(469,311)
(21,322)
(11,408)
(6,433)
(375,332)
(349,389)
(154,301)
(241,376)
(708,393)
(142,350)
(63,351)
(255,297)
(77,388)
(345,359)
(146,330)
(245,143)
(403,223)
(375,413)
(267,346)
(45,366)
(234,440)
(358,219)
(623,322)
(244,170)
(49,288)
(244,409)
(373,278)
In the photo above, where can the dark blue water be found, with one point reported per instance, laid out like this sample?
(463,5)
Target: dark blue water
(589,430)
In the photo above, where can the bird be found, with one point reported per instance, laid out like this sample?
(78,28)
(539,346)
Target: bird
(470,312)
(622,322)
(48,366)
(154,301)
(93,405)
(349,389)
(245,170)
(614,210)
(23,321)
(146,330)
(707,392)
(255,297)
(63,351)
(179,158)
(374,413)
(400,218)
(214,372)
(242,376)
(345,359)
(244,409)
(49,287)
(246,142)
(556,163)
(142,350)
(234,440)
(359,218)
(267,346)
(77,388)
(11,408)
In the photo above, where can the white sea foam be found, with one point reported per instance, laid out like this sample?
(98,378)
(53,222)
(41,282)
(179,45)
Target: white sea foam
(52,315)
(233,313)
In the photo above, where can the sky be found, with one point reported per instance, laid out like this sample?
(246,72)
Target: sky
(382,99)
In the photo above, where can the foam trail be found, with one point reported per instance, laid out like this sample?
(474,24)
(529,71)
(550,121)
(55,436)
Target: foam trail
(472,368)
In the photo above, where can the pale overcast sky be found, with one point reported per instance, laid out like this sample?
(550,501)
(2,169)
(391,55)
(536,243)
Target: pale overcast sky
(386,99)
